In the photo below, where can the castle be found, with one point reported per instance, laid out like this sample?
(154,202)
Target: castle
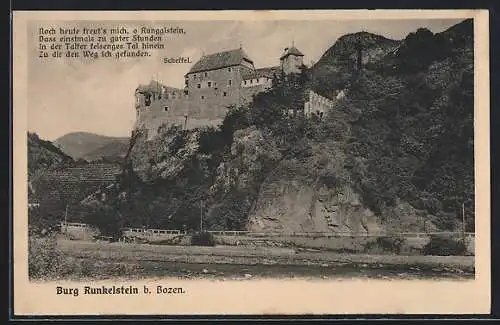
(214,83)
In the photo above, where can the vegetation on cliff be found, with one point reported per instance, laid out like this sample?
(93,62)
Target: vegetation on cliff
(44,155)
(402,140)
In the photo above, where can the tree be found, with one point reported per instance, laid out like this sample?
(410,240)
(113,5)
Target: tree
(107,218)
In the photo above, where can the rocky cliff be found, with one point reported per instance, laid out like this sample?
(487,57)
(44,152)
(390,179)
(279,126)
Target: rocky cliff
(387,157)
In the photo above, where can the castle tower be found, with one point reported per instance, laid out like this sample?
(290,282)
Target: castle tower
(291,60)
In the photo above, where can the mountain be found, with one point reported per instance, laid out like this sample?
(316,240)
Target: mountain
(334,69)
(395,154)
(344,52)
(90,146)
(114,149)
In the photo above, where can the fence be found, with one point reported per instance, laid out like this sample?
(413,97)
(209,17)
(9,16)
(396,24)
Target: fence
(235,233)
(152,231)
(339,234)
(75,225)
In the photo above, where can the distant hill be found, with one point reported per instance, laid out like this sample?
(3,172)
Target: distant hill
(112,150)
(90,146)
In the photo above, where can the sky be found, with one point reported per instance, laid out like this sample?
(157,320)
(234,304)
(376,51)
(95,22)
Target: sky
(72,95)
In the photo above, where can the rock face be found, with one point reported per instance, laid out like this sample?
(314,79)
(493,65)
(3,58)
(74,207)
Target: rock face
(291,194)
(251,155)
(265,190)
(164,156)
(289,202)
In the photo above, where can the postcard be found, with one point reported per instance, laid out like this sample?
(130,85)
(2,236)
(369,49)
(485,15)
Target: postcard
(319,162)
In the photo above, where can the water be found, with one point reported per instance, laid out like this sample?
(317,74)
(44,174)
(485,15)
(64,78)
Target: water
(230,271)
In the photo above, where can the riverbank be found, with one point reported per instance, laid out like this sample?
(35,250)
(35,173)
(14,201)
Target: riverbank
(106,260)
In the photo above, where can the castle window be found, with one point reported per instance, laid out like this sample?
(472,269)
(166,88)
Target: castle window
(251,81)
(194,76)
(165,109)
(198,86)
(229,83)
(224,94)
(147,100)
(209,84)
(202,97)
(206,74)
(245,82)
(229,69)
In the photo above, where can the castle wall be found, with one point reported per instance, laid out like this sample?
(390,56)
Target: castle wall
(211,92)
(172,110)
(317,104)
(169,111)
(247,93)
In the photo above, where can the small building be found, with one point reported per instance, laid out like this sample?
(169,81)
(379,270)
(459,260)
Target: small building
(317,105)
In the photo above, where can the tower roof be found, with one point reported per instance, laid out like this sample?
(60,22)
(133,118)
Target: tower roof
(291,51)
(220,60)
(153,86)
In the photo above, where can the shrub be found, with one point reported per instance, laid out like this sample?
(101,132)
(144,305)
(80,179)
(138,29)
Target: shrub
(386,244)
(391,244)
(44,260)
(445,246)
(203,239)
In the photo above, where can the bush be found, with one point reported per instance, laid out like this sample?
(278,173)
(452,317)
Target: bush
(44,260)
(445,246)
(203,239)
(386,244)
(391,244)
